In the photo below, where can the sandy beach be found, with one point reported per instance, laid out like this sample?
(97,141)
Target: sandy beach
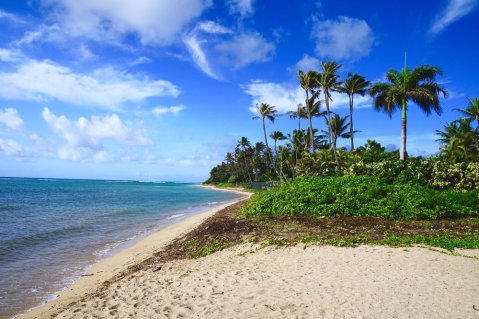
(316,282)
(295,282)
(108,268)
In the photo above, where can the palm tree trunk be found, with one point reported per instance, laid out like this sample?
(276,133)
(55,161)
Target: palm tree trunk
(268,151)
(351,102)
(311,136)
(246,166)
(266,142)
(295,146)
(326,97)
(403,152)
(333,146)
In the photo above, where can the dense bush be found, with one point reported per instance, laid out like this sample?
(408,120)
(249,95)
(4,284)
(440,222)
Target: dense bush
(362,196)
(432,171)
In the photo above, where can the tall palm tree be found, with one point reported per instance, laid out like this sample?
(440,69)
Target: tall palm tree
(472,110)
(269,112)
(328,82)
(308,81)
(418,85)
(354,84)
(277,136)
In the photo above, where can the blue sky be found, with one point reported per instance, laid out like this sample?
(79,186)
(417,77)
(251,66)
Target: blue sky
(161,90)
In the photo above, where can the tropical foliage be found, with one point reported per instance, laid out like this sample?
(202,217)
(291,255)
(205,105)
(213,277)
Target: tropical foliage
(362,196)
(309,174)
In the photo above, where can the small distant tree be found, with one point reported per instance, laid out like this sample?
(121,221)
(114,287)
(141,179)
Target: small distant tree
(269,112)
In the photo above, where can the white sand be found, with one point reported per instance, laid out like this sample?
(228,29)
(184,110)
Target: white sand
(316,282)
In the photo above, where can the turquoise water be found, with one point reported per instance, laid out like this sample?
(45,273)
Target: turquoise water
(51,230)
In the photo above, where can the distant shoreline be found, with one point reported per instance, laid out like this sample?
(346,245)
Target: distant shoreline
(237,190)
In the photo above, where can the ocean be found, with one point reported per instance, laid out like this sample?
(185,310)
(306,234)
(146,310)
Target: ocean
(52,230)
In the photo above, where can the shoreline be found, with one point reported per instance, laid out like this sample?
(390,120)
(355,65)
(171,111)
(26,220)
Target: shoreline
(229,189)
(107,268)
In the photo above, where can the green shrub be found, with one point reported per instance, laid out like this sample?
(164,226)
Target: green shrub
(433,171)
(443,175)
(362,196)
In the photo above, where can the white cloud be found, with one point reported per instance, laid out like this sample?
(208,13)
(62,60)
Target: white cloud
(198,56)
(162,110)
(244,49)
(43,33)
(194,43)
(80,154)
(283,97)
(155,22)
(341,101)
(10,16)
(12,148)
(213,28)
(241,7)
(213,47)
(105,88)
(307,63)
(455,10)
(286,98)
(85,137)
(11,118)
(141,60)
(85,53)
(10,55)
(343,39)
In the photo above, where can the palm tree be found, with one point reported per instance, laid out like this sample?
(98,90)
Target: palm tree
(459,141)
(316,109)
(269,112)
(339,128)
(277,136)
(328,81)
(258,162)
(308,81)
(472,110)
(242,149)
(230,164)
(418,85)
(354,84)
(299,114)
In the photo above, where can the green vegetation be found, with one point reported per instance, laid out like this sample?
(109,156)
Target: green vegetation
(362,196)
(317,189)
(443,241)
(196,249)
